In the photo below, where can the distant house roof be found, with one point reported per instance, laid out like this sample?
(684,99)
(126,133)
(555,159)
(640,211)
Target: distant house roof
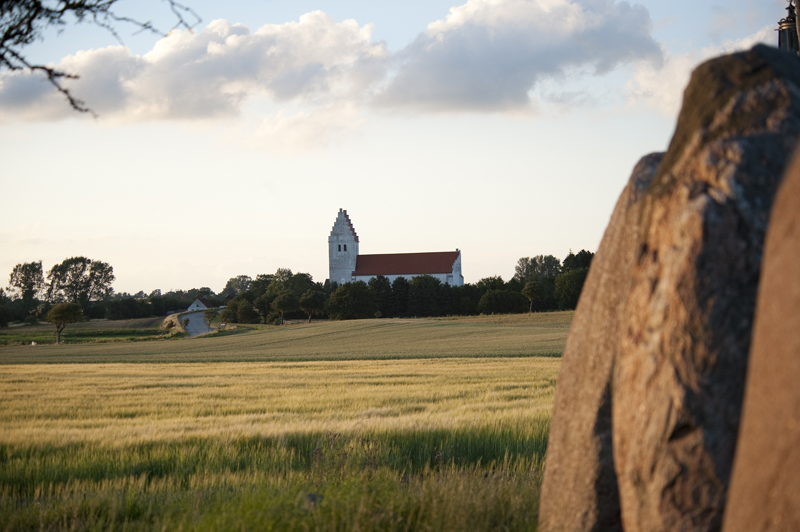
(406,263)
(206,303)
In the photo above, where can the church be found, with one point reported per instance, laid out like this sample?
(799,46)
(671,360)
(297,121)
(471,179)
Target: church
(345,265)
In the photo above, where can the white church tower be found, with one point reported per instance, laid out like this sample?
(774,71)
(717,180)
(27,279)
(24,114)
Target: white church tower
(342,250)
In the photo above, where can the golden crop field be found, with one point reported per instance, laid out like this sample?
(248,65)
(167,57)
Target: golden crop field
(372,425)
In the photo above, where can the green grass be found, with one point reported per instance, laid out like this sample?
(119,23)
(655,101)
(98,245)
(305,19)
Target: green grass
(481,336)
(90,331)
(318,440)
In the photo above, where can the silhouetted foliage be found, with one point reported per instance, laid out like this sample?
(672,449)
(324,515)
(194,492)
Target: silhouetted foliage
(286,302)
(573,262)
(351,301)
(381,290)
(63,314)
(26,283)
(236,285)
(80,280)
(501,302)
(312,302)
(398,304)
(568,287)
(127,309)
(529,268)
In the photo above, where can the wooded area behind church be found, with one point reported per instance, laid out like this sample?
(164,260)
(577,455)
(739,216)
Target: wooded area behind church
(540,283)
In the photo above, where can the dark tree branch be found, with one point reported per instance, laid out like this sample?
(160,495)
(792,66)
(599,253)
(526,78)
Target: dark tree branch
(23,21)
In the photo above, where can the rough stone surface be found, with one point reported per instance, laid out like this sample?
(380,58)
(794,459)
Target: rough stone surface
(580,489)
(660,338)
(678,381)
(765,488)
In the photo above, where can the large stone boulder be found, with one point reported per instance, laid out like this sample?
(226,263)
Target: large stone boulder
(765,488)
(666,357)
(580,487)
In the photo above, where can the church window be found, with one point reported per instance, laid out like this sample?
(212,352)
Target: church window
(340,247)
(345,247)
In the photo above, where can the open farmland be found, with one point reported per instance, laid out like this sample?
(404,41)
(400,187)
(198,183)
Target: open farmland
(88,331)
(403,434)
(464,337)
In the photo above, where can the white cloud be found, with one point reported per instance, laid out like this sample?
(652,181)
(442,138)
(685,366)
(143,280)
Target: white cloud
(661,87)
(209,74)
(487,55)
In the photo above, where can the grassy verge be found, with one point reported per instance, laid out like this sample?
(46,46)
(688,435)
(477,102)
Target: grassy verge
(90,331)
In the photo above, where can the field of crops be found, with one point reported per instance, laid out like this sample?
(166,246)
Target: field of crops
(480,336)
(284,430)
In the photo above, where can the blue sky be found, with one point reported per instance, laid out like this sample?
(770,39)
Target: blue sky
(504,128)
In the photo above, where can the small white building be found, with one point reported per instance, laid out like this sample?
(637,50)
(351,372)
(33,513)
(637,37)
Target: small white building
(346,265)
(200,304)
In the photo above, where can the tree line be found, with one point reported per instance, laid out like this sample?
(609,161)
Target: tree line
(540,283)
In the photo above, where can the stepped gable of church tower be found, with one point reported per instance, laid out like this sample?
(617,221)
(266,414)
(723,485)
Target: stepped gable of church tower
(342,249)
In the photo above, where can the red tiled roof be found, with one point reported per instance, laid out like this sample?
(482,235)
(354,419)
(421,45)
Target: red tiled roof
(205,302)
(406,263)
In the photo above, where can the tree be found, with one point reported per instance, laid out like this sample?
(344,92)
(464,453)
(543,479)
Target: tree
(399,300)
(535,291)
(501,302)
(424,296)
(286,302)
(259,285)
(63,314)
(236,285)
(528,268)
(525,269)
(228,316)
(582,260)
(27,283)
(263,304)
(381,290)
(5,315)
(23,21)
(209,315)
(491,283)
(569,286)
(351,301)
(245,311)
(80,280)
(312,302)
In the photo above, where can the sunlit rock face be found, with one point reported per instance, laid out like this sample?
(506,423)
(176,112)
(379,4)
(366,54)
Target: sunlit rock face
(649,396)
(765,488)
(580,487)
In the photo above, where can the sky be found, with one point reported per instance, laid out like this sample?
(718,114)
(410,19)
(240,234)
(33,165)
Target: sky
(503,128)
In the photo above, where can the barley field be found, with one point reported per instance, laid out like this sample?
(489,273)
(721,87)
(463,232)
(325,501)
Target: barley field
(402,434)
